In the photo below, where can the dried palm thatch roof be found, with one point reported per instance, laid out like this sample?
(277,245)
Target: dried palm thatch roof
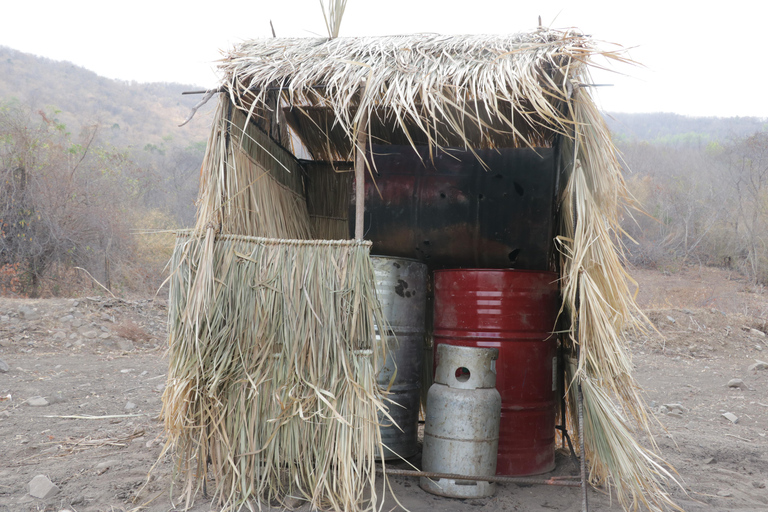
(474,92)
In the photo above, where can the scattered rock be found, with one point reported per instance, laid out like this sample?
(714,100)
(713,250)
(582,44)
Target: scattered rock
(725,494)
(757,333)
(129,406)
(60,335)
(125,345)
(66,318)
(37,401)
(758,485)
(29,313)
(708,460)
(731,417)
(77,323)
(671,320)
(90,334)
(41,487)
(105,335)
(736,383)
(292,503)
(5,318)
(759,365)
(676,407)
(4,367)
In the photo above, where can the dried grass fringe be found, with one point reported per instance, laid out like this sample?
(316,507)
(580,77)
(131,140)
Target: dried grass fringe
(597,297)
(271,387)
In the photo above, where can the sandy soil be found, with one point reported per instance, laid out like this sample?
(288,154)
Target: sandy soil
(98,365)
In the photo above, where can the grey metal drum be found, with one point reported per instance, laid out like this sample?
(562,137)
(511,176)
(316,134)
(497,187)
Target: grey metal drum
(401,286)
(461,432)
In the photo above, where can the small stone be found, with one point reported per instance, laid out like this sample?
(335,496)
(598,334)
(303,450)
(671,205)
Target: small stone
(671,320)
(758,485)
(5,318)
(731,417)
(75,303)
(676,407)
(757,333)
(60,335)
(105,336)
(759,348)
(292,503)
(125,345)
(106,464)
(4,367)
(41,487)
(129,406)
(735,383)
(160,387)
(725,494)
(66,318)
(77,323)
(37,401)
(708,460)
(29,313)
(759,365)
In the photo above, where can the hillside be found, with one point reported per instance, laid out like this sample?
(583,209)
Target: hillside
(130,114)
(675,129)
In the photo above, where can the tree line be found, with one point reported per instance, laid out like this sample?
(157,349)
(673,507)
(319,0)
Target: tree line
(78,212)
(701,203)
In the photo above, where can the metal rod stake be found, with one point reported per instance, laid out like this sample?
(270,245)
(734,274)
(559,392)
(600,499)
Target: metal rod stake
(583,461)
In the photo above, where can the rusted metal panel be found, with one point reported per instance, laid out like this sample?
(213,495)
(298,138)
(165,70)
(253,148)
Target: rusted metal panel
(449,211)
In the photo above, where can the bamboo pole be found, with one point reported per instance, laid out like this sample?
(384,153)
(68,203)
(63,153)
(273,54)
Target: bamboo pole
(360,180)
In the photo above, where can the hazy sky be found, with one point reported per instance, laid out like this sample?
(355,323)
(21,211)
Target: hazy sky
(698,60)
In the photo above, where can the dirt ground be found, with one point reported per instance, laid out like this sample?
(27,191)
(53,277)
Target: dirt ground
(80,393)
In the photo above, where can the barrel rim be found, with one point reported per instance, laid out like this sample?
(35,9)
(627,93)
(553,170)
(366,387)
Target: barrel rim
(502,270)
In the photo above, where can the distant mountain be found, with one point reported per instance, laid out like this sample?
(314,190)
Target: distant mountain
(129,114)
(675,129)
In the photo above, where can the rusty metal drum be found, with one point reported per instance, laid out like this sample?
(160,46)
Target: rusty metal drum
(513,311)
(401,287)
(461,431)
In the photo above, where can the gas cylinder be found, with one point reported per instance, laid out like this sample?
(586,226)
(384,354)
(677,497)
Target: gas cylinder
(461,431)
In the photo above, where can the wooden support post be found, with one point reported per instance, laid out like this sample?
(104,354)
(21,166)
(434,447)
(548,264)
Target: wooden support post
(360,180)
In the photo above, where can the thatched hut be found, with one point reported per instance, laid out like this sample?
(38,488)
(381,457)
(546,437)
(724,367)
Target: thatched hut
(254,327)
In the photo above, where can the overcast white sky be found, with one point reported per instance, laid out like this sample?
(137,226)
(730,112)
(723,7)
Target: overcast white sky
(699,60)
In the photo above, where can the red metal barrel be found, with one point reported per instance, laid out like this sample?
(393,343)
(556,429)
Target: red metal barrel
(514,311)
